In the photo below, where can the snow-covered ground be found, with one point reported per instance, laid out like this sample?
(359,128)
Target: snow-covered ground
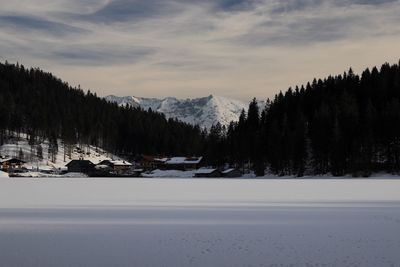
(199,222)
(13,147)
(169,174)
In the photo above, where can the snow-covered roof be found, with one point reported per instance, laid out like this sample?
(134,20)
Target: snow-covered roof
(115,162)
(153,158)
(228,170)
(161,159)
(184,160)
(120,163)
(9,159)
(80,161)
(205,171)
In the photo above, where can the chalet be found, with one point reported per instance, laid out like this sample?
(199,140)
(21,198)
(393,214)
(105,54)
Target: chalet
(10,164)
(182,163)
(207,173)
(151,162)
(116,165)
(232,173)
(83,166)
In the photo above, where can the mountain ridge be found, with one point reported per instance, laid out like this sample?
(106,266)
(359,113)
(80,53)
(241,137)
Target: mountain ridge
(203,111)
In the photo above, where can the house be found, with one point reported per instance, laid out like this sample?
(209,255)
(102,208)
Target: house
(83,166)
(170,163)
(151,162)
(182,163)
(232,173)
(116,165)
(207,173)
(11,164)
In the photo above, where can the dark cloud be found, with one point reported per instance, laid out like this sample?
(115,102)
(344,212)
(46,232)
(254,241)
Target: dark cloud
(373,2)
(97,54)
(301,32)
(35,24)
(235,5)
(132,10)
(316,21)
(294,5)
(300,5)
(88,54)
(138,10)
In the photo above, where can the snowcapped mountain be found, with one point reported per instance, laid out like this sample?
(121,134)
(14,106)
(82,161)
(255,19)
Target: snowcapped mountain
(204,111)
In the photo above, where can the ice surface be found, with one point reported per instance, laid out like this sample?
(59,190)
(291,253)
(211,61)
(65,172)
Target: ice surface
(203,222)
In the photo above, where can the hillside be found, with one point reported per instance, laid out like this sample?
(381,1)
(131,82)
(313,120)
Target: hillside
(19,147)
(46,108)
(205,111)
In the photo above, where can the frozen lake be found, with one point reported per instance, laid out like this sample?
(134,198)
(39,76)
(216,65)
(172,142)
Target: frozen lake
(184,222)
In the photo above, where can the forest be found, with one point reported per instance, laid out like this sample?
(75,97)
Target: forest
(344,124)
(40,105)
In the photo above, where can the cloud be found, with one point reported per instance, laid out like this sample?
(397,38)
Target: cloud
(305,22)
(287,6)
(95,54)
(132,10)
(35,25)
(177,47)
(235,5)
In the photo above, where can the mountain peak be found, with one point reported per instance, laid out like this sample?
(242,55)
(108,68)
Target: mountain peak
(205,111)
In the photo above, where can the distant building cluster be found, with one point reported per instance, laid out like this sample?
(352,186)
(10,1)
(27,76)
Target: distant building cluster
(148,163)
(142,165)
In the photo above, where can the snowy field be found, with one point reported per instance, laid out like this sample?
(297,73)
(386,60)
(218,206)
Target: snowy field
(199,222)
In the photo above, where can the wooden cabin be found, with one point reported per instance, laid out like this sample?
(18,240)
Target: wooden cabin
(10,164)
(151,162)
(82,166)
(170,163)
(182,163)
(117,165)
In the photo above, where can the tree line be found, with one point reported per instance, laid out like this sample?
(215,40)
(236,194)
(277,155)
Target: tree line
(344,124)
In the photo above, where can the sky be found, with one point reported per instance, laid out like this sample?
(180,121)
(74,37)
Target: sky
(234,48)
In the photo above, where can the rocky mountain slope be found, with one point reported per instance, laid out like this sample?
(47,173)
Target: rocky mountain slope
(204,111)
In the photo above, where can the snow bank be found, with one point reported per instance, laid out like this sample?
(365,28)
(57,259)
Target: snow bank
(3,174)
(169,174)
(74,175)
